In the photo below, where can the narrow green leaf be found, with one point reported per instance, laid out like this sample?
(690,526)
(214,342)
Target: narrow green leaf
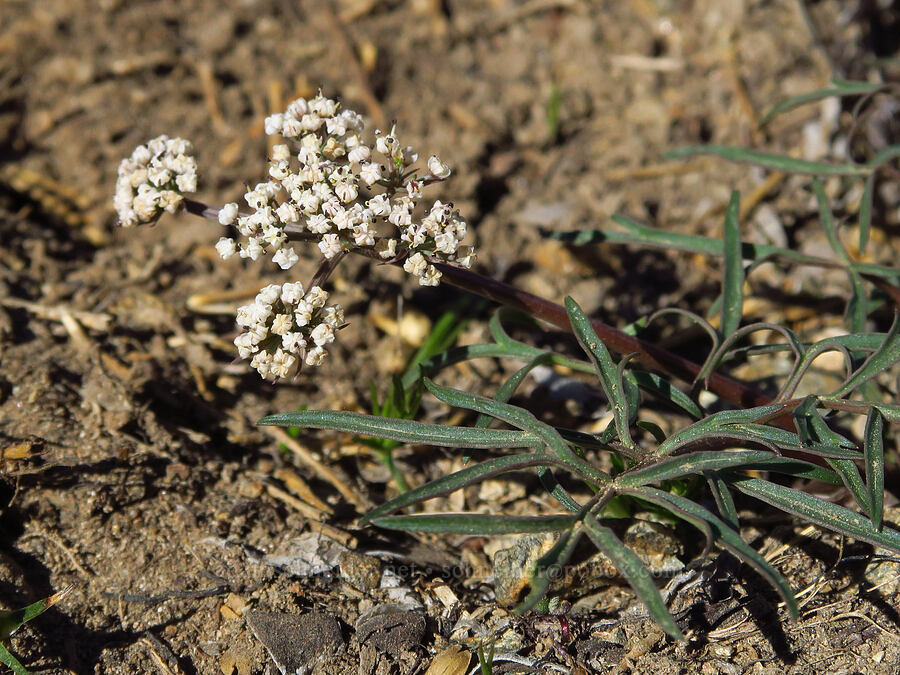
(7,659)
(724,501)
(887,354)
(475,523)
(606,370)
(728,538)
(664,390)
(857,306)
(627,562)
(799,469)
(770,161)
(733,281)
(788,440)
(865,212)
(715,423)
(460,479)
(874,449)
(523,419)
(837,88)
(506,391)
(408,431)
(690,463)
(817,511)
(644,235)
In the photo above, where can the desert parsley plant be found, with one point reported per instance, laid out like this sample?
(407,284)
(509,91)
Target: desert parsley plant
(329,186)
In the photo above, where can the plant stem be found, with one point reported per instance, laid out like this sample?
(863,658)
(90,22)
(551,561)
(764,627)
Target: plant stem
(652,356)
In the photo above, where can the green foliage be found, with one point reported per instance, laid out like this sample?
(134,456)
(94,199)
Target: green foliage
(12,620)
(752,451)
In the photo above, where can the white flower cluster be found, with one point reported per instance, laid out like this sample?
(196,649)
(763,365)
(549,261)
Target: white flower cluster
(286,327)
(346,193)
(154,179)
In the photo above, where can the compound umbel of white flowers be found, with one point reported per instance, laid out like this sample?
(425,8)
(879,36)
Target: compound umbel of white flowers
(325,185)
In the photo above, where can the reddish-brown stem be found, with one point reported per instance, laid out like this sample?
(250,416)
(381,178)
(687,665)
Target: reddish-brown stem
(650,355)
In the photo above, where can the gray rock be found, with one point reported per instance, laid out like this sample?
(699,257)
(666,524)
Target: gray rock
(296,642)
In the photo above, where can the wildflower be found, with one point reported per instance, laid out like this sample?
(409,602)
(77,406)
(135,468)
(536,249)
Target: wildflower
(226,247)
(281,323)
(437,168)
(154,179)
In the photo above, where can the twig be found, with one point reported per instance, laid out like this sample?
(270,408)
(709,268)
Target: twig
(323,471)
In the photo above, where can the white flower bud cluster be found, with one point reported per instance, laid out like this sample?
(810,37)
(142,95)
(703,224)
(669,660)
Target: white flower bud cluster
(154,179)
(285,327)
(346,193)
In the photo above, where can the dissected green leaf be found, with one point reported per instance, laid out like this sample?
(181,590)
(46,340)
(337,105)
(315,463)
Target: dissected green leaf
(817,511)
(874,450)
(644,235)
(631,567)
(857,306)
(716,423)
(688,464)
(460,479)
(11,620)
(728,538)
(770,161)
(733,281)
(606,370)
(475,523)
(408,431)
(521,418)
(887,354)
(722,495)
(837,88)
(865,213)
(7,659)
(506,391)
(799,469)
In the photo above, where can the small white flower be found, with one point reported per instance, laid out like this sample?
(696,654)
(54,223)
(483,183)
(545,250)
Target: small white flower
(291,293)
(359,153)
(437,168)
(322,334)
(330,245)
(281,153)
(252,249)
(273,124)
(281,324)
(318,224)
(303,313)
(346,191)
(387,248)
(293,342)
(380,205)
(415,264)
(431,277)
(228,213)
(226,247)
(284,365)
(370,173)
(316,356)
(292,127)
(333,316)
(316,297)
(285,258)
(287,213)
(268,294)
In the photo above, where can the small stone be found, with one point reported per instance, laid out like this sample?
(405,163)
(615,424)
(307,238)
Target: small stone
(296,642)
(361,571)
(391,629)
